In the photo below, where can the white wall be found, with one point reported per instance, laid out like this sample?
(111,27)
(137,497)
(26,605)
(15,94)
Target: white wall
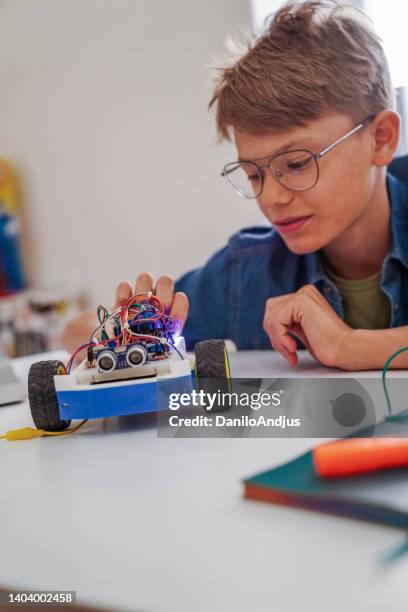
(103,112)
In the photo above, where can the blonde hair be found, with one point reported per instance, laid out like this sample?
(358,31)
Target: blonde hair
(313,58)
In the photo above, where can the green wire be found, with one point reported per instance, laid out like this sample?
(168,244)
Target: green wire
(105,312)
(384,373)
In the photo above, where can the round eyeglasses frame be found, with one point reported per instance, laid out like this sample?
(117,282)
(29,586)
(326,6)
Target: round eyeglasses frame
(231,166)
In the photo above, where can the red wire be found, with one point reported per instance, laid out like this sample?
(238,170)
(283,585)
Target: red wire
(81,348)
(124,315)
(154,301)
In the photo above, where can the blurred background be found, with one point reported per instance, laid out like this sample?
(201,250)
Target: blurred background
(111,164)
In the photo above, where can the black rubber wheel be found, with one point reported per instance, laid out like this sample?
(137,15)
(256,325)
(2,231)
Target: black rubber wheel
(212,369)
(42,395)
(211,359)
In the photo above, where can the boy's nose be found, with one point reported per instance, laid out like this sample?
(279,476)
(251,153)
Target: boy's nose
(274,194)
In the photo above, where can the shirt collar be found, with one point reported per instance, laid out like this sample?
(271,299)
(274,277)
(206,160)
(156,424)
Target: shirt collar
(398,196)
(314,269)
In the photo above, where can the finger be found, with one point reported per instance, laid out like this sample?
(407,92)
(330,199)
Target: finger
(283,343)
(123,292)
(179,308)
(144,283)
(290,343)
(291,358)
(297,331)
(165,289)
(273,306)
(289,354)
(277,325)
(275,302)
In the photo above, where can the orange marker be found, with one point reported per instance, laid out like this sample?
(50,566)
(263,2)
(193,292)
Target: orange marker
(358,455)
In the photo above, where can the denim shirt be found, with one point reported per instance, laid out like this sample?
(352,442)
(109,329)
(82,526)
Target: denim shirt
(228,294)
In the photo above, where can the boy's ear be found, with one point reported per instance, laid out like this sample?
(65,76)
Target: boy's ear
(385,131)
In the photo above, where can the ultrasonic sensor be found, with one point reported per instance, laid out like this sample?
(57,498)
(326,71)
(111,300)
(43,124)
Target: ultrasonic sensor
(136,356)
(106,361)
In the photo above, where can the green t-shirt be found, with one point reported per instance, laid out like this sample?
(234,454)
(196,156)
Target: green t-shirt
(365,304)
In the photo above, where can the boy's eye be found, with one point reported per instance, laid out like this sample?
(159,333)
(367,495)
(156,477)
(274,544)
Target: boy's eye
(251,172)
(298,164)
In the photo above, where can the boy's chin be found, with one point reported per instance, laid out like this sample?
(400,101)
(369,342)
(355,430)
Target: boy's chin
(304,245)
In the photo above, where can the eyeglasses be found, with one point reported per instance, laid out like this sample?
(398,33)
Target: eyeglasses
(297,169)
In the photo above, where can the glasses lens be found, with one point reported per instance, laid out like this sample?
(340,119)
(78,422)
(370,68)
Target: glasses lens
(296,170)
(245,177)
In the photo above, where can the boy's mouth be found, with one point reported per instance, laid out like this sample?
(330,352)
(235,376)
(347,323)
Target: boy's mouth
(291,224)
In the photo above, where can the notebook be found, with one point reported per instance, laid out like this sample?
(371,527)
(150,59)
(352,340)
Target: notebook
(380,496)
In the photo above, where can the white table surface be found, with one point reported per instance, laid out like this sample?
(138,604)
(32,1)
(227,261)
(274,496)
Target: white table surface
(133,522)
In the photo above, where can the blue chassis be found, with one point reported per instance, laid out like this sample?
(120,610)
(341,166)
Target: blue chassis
(99,401)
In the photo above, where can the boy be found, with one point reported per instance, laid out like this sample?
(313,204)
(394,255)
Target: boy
(310,108)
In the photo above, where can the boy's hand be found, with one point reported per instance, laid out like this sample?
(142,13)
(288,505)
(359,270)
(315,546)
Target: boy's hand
(177,303)
(308,316)
(78,330)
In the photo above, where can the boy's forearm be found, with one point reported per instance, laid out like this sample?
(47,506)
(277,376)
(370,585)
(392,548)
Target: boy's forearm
(369,349)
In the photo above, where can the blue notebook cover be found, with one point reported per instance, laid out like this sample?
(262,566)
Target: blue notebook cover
(380,496)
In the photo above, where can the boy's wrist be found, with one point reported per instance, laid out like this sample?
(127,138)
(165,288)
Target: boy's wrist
(348,357)
(360,350)
(357,351)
